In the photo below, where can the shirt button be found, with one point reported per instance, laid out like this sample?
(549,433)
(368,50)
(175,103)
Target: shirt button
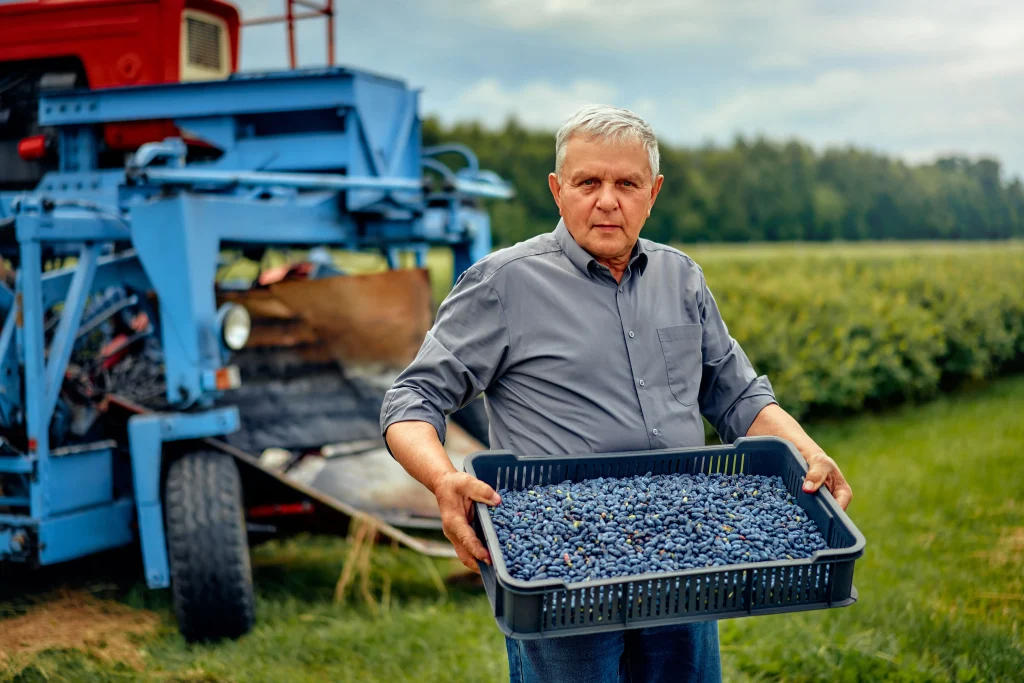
(641,382)
(655,432)
(620,289)
(631,335)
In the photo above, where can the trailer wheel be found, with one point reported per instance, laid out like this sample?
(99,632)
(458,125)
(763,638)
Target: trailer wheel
(208,550)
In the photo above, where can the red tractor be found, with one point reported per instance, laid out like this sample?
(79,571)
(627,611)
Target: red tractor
(60,44)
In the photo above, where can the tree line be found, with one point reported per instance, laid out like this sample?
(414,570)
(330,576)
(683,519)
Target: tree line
(760,189)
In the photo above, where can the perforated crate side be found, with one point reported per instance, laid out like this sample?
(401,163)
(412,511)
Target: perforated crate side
(529,610)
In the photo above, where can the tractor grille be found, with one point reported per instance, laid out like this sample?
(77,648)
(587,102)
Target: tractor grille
(203,43)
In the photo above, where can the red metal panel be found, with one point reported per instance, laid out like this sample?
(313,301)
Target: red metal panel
(119,43)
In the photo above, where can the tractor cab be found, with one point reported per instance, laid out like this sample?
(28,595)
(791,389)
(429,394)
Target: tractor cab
(52,46)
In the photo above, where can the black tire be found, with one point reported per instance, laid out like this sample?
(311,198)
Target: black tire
(207,546)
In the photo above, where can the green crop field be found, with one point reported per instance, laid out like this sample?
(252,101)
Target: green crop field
(842,327)
(939,494)
(855,338)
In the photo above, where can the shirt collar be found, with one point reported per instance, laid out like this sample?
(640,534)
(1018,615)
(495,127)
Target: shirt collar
(583,260)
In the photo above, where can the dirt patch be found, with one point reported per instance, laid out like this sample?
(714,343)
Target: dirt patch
(102,628)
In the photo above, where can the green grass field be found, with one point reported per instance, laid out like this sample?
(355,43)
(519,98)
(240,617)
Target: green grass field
(939,494)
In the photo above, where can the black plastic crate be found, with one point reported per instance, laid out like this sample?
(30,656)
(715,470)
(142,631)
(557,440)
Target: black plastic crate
(552,607)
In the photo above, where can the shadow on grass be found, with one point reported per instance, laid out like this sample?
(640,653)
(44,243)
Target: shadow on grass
(303,569)
(113,574)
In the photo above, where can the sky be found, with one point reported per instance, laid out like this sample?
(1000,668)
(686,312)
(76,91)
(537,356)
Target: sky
(912,78)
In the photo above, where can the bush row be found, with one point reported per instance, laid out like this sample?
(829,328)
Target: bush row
(839,328)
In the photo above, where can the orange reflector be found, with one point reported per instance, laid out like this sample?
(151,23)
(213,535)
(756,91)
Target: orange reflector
(32,148)
(227,378)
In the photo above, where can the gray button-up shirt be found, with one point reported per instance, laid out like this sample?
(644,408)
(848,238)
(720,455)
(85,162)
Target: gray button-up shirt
(572,362)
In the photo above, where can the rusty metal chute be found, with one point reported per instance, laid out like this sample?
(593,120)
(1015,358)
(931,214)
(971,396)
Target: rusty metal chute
(321,355)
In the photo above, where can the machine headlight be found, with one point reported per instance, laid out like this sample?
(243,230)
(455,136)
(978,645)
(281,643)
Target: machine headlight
(235,326)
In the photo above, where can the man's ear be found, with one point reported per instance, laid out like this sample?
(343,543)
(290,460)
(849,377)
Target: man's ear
(555,188)
(655,189)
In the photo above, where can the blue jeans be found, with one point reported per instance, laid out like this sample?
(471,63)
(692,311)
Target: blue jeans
(687,653)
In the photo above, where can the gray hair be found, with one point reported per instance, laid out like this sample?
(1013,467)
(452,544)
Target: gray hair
(609,123)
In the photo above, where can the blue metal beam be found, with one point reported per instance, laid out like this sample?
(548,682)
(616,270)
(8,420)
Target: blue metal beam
(403,135)
(71,225)
(5,542)
(308,219)
(37,421)
(6,297)
(81,533)
(10,375)
(264,94)
(78,149)
(64,337)
(313,181)
(16,463)
(309,181)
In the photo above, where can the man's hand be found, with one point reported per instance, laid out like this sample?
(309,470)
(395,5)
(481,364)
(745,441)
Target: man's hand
(774,421)
(823,470)
(455,494)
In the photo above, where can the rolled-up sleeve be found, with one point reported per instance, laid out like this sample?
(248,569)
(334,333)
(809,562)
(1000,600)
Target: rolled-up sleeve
(731,393)
(463,353)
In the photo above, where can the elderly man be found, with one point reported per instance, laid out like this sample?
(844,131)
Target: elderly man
(588,339)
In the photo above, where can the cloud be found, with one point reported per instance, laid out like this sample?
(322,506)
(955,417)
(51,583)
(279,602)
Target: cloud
(907,77)
(914,101)
(539,104)
(831,94)
(777,60)
(797,28)
(613,21)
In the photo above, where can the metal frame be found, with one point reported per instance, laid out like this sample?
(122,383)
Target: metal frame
(146,436)
(322,157)
(325,10)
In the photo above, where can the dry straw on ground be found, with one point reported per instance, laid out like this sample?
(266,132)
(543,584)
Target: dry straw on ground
(74,620)
(363,536)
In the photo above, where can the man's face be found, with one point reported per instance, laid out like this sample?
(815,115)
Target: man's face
(605,194)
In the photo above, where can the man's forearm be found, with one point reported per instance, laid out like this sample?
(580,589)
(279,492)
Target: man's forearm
(822,470)
(416,448)
(774,421)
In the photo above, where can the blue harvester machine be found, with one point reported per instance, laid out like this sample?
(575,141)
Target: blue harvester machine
(299,158)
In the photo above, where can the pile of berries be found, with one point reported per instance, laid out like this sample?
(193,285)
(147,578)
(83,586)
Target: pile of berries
(611,527)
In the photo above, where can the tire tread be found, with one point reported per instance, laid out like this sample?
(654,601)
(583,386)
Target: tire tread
(208,550)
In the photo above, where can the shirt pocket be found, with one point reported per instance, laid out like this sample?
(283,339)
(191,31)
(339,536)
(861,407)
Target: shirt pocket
(683,361)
